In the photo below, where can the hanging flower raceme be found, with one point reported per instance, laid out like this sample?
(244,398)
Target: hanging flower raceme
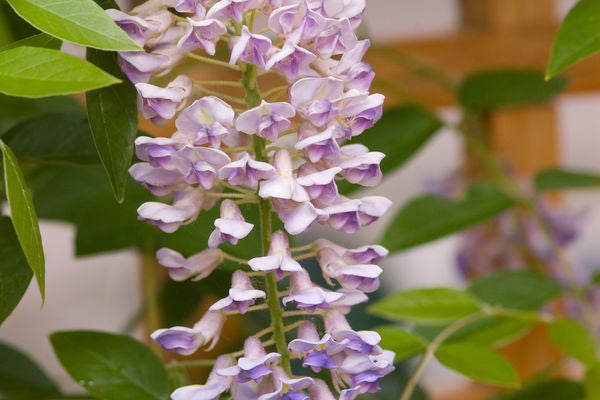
(283,153)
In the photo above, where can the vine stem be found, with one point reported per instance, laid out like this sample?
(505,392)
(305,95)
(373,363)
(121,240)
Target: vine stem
(149,284)
(433,346)
(253,100)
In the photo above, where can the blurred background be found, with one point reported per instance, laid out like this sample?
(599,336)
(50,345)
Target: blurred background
(411,38)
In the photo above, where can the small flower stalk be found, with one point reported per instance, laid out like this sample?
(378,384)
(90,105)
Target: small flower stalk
(284,153)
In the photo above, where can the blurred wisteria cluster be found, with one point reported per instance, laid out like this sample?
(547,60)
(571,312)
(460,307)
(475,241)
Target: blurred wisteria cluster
(283,156)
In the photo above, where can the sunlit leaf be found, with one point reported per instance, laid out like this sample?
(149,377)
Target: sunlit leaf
(39,40)
(430,217)
(574,340)
(578,36)
(39,72)
(478,362)
(23,216)
(592,382)
(430,305)
(78,21)
(403,343)
(521,290)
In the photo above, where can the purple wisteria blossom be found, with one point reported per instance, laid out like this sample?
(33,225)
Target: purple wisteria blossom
(160,104)
(283,152)
(267,120)
(241,295)
(214,387)
(186,341)
(250,48)
(308,296)
(246,171)
(254,365)
(231,227)
(198,266)
(279,260)
(206,120)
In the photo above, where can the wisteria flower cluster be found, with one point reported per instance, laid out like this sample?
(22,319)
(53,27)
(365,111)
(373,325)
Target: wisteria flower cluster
(284,156)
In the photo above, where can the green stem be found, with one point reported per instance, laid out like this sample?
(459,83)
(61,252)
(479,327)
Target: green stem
(151,299)
(253,99)
(212,61)
(433,346)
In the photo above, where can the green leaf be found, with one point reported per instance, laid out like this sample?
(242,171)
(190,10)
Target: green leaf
(16,109)
(53,138)
(557,179)
(550,390)
(15,274)
(478,362)
(426,306)
(112,367)
(492,331)
(13,27)
(78,21)
(400,134)
(39,72)
(592,382)
(429,217)
(498,88)
(39,40)
(113,117)
(21,378)
(23,216)
(574,340)
(520,290)
(81,195)
(400,341)
(578,36)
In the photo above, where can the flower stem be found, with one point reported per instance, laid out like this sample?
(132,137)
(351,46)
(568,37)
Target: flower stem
(433,346)
(253,99)
(233,258)
(212,61)
(191,363)
(151,300)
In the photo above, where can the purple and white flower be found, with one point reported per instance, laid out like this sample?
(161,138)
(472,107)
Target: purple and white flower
(186,341)
(199,265)
(267,120)
(254,365)
(279,259)
(241,295)
(231,227)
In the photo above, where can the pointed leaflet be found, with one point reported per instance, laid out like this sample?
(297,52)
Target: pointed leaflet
(507,87)
(592,382)
(520,290)
(112,114)
(110,366)
(39,72)
(429,217)
(22,378)
(39,40)
(15,274)
(23,216)
(426,306)
(478,362)
(78,21)
(574,340)
(578,36)
(403,343)
(557,179)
